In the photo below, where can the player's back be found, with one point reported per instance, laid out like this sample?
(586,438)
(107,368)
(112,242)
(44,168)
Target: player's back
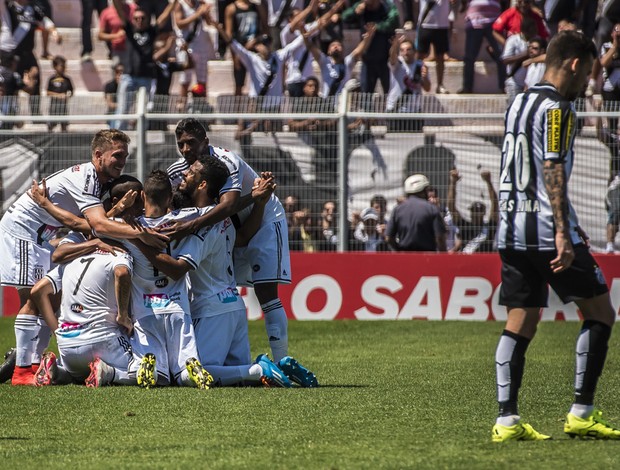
(540,126)
(88,307)
(152,291)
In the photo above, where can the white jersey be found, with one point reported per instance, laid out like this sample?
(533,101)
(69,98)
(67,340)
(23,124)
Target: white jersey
(241,179)
(333,75)
(75,189)
(405,79)
(261,71)
(213,282)
(153,292)
(299,65)
(88,308)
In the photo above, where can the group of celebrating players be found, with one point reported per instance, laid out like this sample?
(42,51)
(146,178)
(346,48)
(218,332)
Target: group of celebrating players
(143,289)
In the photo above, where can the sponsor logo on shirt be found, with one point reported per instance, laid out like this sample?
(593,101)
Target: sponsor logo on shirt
(161,282)
(70,330)
(75,168)
(87,183)
(554,125)
(228,295)
(77,308)
(156,300)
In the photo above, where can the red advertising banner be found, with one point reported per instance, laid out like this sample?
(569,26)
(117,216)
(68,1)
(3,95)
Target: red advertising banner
(397,286)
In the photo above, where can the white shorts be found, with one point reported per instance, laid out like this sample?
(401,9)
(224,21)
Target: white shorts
(266,258)
(222,339)
(113,351)
(170,337)
(201,59)
(23,262)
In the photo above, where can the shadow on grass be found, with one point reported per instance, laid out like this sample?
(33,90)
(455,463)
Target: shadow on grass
(341,386)
(14,438)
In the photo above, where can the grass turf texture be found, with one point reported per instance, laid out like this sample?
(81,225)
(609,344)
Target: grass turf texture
(393,395)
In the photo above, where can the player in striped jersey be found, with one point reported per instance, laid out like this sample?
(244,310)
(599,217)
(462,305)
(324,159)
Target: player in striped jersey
(265,262)
(26,228)
(540,242)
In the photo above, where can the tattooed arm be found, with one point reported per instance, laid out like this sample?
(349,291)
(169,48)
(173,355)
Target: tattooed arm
(555,183)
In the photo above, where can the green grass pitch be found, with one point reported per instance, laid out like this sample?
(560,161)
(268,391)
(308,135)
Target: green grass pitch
(401,394)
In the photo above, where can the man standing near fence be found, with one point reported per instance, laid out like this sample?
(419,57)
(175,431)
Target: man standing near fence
(540,242)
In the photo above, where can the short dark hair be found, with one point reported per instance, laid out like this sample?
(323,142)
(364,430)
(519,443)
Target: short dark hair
(569,45)
(58,60)
(122,184)
(157,188)
(215,173)
(192,127)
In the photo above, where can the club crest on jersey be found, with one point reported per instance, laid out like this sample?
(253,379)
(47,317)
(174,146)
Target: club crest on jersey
(75,168)
(39,272)
(77,308)
(554,130)
(161,282)
(256,268)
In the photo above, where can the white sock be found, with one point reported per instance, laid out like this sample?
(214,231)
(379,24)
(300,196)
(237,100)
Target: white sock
(123,377)
(508,420)
(581,411)
(184,380)
(276,325)
(610,247)
(255,371)
(26,332)
(45,333)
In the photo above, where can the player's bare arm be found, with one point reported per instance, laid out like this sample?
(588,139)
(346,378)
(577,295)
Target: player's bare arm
(122,290)
(41,296)
(69,251)
(555,183)
(103,226)
(261,192)
(171,267)
(39,194)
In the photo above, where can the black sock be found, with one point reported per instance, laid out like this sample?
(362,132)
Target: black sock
(591,351)
(509,365)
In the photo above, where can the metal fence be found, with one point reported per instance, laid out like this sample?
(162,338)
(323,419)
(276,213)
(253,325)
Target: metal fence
(343,151)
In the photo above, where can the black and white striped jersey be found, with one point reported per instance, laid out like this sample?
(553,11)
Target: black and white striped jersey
(540,125)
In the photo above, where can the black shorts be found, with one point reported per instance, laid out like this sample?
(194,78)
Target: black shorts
(437,37)
(525,275)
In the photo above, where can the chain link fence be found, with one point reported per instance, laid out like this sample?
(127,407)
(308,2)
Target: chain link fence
(332,157)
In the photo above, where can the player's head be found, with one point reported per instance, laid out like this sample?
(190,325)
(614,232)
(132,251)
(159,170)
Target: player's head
(109,150)
(121,186)
(207,176)
(158,189)
(191,139)
(569,60)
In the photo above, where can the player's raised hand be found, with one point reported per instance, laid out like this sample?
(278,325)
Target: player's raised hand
(454,175)
(124,203)
(38,193)
(109,246)
(263,189)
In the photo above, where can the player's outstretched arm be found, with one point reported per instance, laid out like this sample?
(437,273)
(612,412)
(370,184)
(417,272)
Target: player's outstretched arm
(40,295)
(103,226)
(171,267)
(122,290)
(70,251)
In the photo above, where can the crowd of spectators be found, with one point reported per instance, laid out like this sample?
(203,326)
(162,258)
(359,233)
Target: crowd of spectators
(275,42)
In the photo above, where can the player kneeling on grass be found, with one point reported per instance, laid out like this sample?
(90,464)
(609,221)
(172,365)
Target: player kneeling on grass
(163,333)
(218,312)
(94,317)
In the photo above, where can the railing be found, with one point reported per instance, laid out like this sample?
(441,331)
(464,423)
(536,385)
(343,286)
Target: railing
(354,151)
